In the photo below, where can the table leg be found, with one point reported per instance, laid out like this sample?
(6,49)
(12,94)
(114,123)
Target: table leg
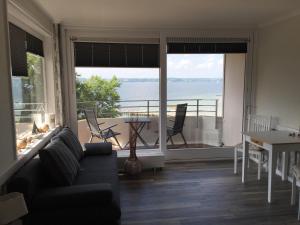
(271,172)
(135,130)
(245,160)
(138,132)
(284,165)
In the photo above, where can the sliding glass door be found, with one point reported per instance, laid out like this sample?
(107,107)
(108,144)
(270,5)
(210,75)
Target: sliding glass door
(203,79)
(197,81)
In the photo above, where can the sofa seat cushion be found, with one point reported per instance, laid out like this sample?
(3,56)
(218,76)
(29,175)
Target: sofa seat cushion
(102,163)
(100,169)
(72,142)
(59,162)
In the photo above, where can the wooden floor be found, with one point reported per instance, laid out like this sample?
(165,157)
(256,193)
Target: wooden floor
(203,193)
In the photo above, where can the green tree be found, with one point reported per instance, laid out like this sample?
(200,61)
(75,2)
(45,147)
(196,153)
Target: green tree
(101,92)
(32,86)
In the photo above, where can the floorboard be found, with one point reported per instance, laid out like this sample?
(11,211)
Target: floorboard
(203,193)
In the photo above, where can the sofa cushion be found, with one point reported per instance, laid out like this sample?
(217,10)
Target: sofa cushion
(101,148)
(28,180)
(59,162)
(70,140)
(100,169)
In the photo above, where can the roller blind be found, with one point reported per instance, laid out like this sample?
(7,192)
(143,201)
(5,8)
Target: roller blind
(206,48)
(22,42)
(89,54)
(18,51)
(34,45)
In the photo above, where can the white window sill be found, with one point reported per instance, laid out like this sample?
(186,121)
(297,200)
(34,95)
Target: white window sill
(27,155)
(37,144)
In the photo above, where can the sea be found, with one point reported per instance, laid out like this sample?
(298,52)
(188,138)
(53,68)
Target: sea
(205,92)
(193,88)
(138,93)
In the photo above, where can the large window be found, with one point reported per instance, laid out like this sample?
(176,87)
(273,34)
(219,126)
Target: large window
(29,89)
(29,100)
(116,94)
(118,83)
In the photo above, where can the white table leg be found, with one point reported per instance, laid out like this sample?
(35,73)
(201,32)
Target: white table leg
(284,165)
(271,172)
(294,191)
(259,166)
(235,161)
(245,159)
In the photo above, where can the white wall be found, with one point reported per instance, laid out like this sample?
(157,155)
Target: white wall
(26,15)
(233,98)
(278,72)
(7,143)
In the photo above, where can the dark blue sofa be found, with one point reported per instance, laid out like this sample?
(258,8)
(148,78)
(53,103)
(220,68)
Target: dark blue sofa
(92,198)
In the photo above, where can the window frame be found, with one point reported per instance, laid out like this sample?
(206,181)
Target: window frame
(28,25)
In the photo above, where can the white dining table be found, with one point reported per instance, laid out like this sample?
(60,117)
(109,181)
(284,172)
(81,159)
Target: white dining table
(273,142)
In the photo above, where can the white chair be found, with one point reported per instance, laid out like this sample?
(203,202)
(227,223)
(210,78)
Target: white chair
(295,171)
(254,123)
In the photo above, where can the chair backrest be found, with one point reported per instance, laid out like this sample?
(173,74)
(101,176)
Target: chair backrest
(259,123)
(180,117)
(91,119)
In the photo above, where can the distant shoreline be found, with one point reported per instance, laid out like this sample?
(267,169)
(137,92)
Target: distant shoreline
(156,79)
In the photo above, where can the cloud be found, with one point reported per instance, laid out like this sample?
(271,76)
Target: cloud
(183,64)
(195,65)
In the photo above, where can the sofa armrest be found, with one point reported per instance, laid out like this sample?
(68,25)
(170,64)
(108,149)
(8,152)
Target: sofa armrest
(97,149)
(74,196)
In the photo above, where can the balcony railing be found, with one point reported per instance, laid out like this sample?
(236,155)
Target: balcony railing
(146,107)
(25,111)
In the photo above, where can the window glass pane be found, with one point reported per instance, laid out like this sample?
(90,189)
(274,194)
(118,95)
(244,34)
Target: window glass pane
(118,96)
(195,100)
(29,100)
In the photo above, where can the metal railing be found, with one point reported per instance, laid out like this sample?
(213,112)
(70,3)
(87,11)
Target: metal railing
(26,110)
(147,107)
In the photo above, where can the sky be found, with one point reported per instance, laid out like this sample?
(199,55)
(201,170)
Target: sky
(178,66)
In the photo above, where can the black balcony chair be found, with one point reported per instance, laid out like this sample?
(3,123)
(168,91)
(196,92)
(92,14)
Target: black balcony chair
(95,129)
(177,127)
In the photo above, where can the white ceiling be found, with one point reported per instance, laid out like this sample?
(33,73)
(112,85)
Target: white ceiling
(155,14)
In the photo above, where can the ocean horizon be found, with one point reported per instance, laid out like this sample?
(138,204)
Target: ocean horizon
(177,88)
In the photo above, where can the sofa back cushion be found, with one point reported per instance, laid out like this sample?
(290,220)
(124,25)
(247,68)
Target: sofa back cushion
(72,142)
(59,162)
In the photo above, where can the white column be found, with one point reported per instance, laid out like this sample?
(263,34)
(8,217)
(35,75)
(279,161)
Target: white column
(7,137)
(163,95)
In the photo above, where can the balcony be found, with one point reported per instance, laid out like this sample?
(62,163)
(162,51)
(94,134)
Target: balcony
(202,127)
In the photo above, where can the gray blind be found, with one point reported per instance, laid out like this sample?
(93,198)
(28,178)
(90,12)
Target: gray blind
(89,54)
(206,48)
(22,42)
(18,51)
